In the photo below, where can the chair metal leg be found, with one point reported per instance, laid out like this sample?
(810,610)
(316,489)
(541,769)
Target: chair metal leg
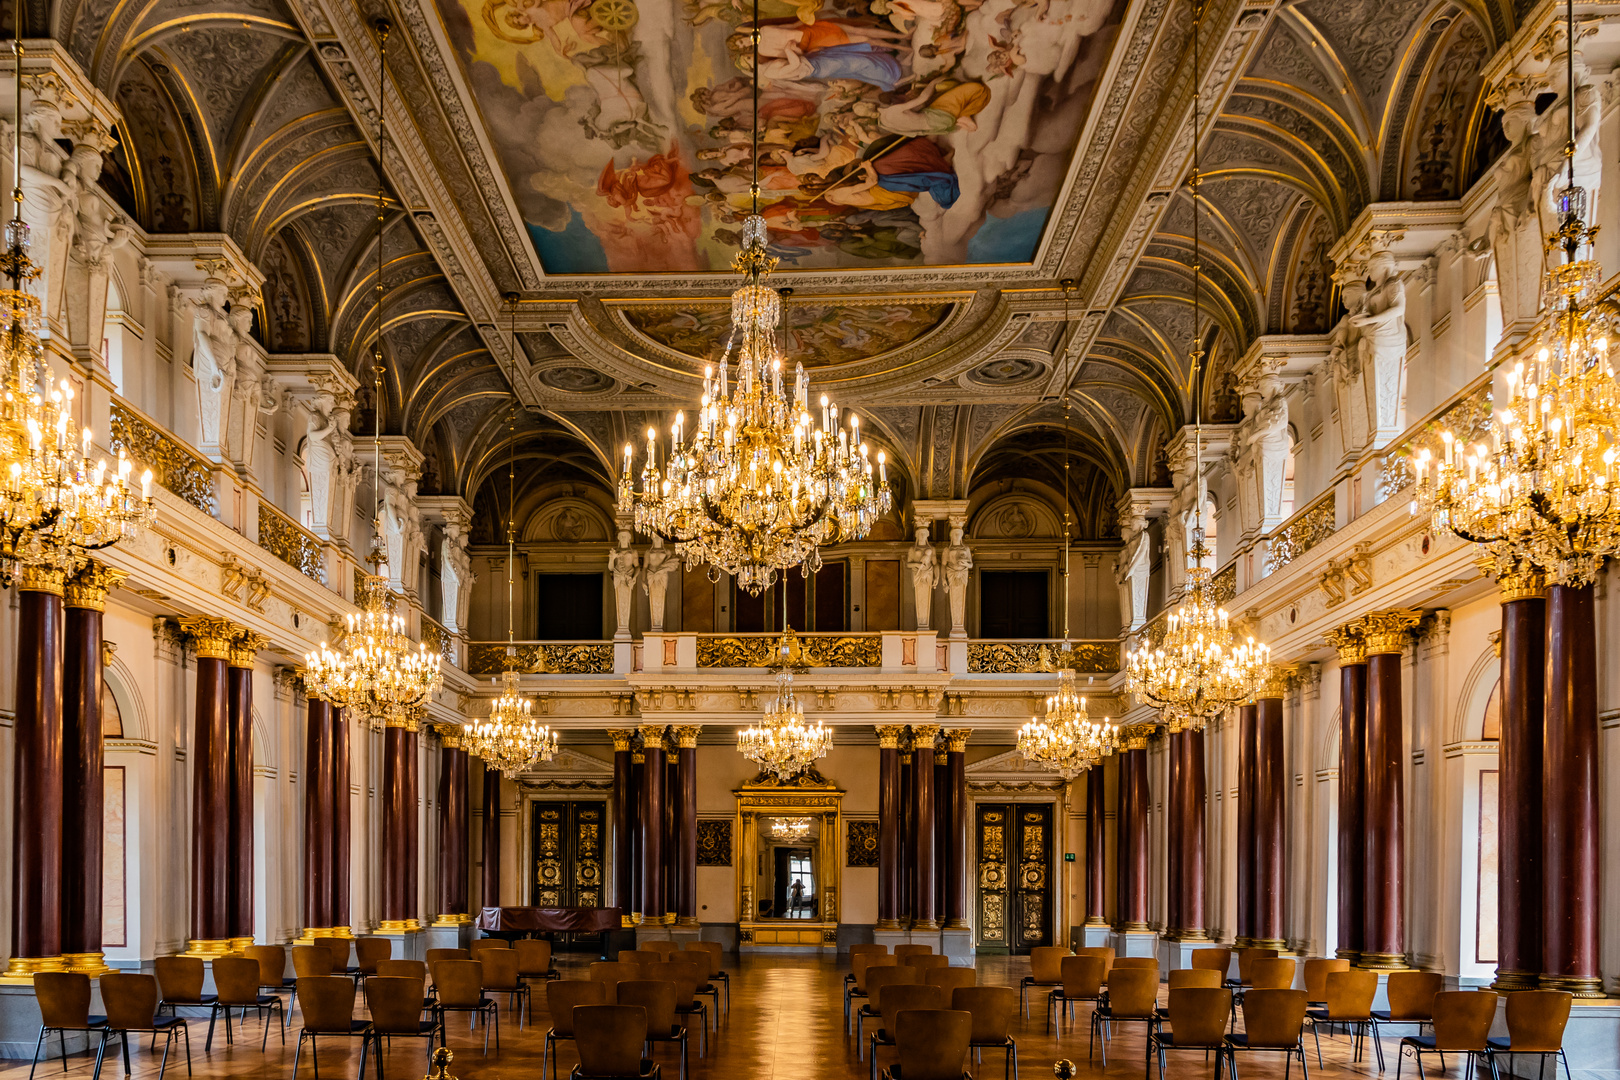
(1317,1035)
(186,1032)
(167,1043)
(61,1042)
(101,1052)
(125,1041)
(365,1046)
(213,1014)
(1378,1047)
(545,1056)
(39,1042)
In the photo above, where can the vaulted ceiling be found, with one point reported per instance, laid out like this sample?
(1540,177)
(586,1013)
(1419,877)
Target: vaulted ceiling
(583,155)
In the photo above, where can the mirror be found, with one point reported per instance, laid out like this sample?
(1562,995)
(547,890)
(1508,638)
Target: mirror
(789,879)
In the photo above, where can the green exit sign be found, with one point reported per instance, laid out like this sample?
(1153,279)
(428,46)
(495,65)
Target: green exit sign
(1068,856)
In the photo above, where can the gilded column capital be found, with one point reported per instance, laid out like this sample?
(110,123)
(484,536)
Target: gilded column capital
(889,736)
(957,739)
(210,637)
(1389,631)
(686,736)
(652,736)
(1521,583)
(89,587)
(923,735)
(449,735)
(621,739)
(1275,684)
(405,721)
(940,756)
(1350,643)
(46,579)
(245,648)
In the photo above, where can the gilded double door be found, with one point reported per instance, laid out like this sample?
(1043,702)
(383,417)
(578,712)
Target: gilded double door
(570,841)
(1013,854)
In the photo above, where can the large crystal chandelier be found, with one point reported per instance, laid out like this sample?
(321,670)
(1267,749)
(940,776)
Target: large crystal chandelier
(791,830)
(55,504)
(377,672)
(1198,668)
(757,487)
(1541,493)
(783,743)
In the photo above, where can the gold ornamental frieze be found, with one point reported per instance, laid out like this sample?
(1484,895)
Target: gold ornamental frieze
(813,650)
(1028,657)
(542,658)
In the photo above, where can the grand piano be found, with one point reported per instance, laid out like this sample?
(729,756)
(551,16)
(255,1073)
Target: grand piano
(599,930)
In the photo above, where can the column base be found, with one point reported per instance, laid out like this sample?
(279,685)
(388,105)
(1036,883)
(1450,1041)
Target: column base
(1269,943)
(887,924)
(1135,940)
(449,935)
(21,969)
(1095,920)
(686,920)
(1133,928)
(1578,986)
(207,948)
(1378,961)
(629,922)
(1243,941)
(408,944)
(925,925)
(454,919)
(1188,934)
(237,944)
(1095,935)
(312,932)
(1508,980)
(87,963)
(398,926)
(954,924)
(1352,955)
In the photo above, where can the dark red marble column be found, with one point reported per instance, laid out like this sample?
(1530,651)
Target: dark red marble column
(211,788)
(1174,828)
(685,861)
(1518,788)
(1194,792)
(1245,728)
(638,796)
(36,789)
(1096,847)
(83,764)
(1352,649)
(672,826)
(956,837)
(453,910)
(490,880)
(1270,821)
(342,800)
(652,825)
(239,692)
(1571,903)
(922,736)
(399,829)
(624,820)
(908,836)
(319,828)
(1384,929)
(1134,799)
(889,911)
(942,827)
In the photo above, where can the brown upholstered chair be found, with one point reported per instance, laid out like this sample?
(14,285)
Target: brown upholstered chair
(236,978)
(501,977)
(1197,1019)
(1535,1022)
(1411,999)
(461,989)
(657,996)
(949,978)
(131,1002)
(1082,981)
(1316,972)
(64,1005)
(897,997)
(396,1012)
(876,979)
(534,959)
(1348,1001)
(1195,978)
(903,951)
(1045,969)
(1273,1021)
(992,1009)
(1462,1025)
(180,982)
(1133,997)
(932,1044)
(610,1039)
(311,960)
(926,961)
(561,997)
(327,1002)
(369,950)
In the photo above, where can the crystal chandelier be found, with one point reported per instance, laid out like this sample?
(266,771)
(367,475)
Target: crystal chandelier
(757,488)
(790,829)
(509,739)
(1541,493)
(377,671)
(783,743)
(55,504)
(1198,669)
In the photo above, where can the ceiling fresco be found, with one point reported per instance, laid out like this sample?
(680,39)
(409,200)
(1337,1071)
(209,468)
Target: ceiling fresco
(820,333)
(895,132)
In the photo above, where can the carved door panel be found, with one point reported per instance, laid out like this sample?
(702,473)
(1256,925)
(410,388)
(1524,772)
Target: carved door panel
(569,840)
(1013,855)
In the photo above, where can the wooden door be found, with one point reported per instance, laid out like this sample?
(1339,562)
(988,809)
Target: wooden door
(569,841)
(1013,854)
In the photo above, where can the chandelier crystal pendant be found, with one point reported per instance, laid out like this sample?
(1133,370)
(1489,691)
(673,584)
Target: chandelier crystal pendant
(783,743)
(1198,669)
(790,829)
(377,672)
(1541,491)
(756,486)
(55,503)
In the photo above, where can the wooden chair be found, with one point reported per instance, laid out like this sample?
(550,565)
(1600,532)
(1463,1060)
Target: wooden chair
(1133,997)
(1411,999)
(704,986)
(1045,969)
(501,977)
(613,973)
(339,949)
(926,961)
(1100,952)
(180,982)
(1082,981)
(1462,1025)
(461,989)
(1265,973)
(1273,1021)
(396,1012)
(657,996)
(932,1044)
(903,951)
(861,949)
(561,997)
(950,978)
(433,956)
(640,956)
(1195,978)
(534,959)
(610,1040)
(1246,959)
(131,1002)
(369,950)
(859,964)
(992,1009)
(717,974)
(876,979)
(64,1005)
(1218,958)
(1316,972)
(310,960)
(687,975)
(477,946)
(327,1002)
(896,997)
(408,969)
(1348,1001)
(1134,962)
(1197,1019)
(272,970)
(1535,1022)
(662,947)
(237,980)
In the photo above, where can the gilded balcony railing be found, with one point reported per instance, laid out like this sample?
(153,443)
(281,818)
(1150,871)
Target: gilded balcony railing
(174,465)
(1467,415)
(1303,531)
(541,657)
(290,542)
(438,639)
(818,650)
(1223,585)
(1024,657)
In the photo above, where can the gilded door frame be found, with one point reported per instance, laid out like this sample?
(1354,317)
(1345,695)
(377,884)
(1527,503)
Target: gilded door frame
(812,797)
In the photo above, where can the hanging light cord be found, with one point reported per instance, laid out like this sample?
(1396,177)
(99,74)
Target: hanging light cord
(383,27)
(15,239)
(1068,285)
(511,480)
(754,187)
(1197,267)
